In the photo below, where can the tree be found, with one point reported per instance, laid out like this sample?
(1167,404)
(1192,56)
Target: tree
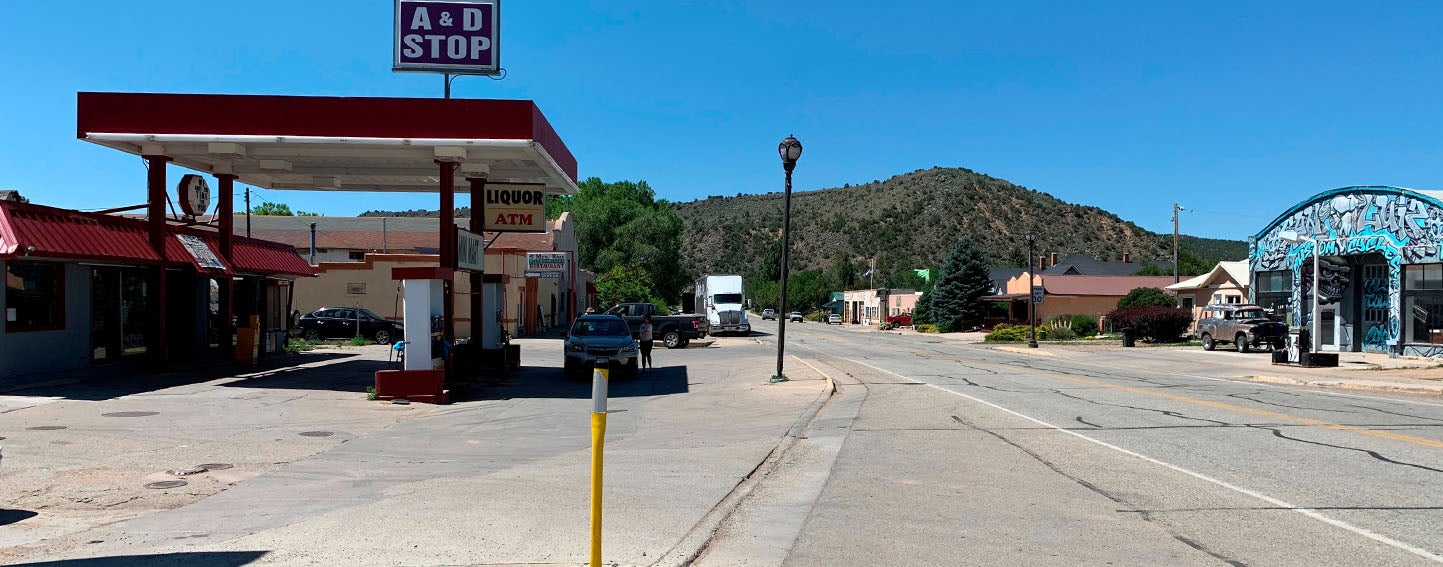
(957,299)
(624,283)
(844,272)
(907,279)
(1146,297)
(623,223)
(922,312)
(267,208)
(807,289)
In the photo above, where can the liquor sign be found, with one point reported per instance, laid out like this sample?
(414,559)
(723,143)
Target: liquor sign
(1037,293)
(448,36)
(514,207)
(470,251)
(546,262)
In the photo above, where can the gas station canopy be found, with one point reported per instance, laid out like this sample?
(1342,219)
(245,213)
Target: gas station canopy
(334,143)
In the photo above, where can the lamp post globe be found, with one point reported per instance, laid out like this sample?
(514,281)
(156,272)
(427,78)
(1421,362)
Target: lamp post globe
(790,150)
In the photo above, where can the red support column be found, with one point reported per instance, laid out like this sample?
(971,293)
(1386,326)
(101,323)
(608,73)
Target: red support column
(478,212)
(225,212)
(155,211)
(448,245)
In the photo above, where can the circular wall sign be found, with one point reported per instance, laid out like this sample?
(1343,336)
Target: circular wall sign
(194,195)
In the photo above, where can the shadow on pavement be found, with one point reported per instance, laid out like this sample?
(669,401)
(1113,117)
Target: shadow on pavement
(348,376)
(547,382)
(188,559)
(8,517)
(141,381)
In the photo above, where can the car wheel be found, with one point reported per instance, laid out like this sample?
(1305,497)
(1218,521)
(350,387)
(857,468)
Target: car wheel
(671,339)
(383,336)
(1241,342)
(312,335)
(1207,341)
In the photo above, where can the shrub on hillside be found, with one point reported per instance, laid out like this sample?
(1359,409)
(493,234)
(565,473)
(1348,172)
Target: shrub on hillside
(1158,324)
(1009,333)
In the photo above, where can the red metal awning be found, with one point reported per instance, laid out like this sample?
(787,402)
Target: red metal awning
(37,231)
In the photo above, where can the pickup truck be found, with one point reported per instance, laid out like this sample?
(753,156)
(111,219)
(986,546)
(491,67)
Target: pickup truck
(674,331)
(1244,326)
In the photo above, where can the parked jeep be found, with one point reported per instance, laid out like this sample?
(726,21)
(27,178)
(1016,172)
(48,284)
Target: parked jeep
(1245,326)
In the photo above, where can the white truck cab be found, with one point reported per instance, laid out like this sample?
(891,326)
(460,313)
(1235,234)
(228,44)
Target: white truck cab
(721,299)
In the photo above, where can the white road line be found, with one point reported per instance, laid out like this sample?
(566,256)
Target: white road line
(1314,514)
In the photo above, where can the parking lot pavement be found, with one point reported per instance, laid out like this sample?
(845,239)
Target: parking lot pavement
(499,479)
(80,455)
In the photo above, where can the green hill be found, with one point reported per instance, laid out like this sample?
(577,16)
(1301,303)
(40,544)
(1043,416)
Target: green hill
(910,221)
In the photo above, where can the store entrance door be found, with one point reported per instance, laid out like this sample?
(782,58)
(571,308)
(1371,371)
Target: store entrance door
(1328,327)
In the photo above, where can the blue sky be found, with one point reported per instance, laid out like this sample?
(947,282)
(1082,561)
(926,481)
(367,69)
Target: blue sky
(1237,110)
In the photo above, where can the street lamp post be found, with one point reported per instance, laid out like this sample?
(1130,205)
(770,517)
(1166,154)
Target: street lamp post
(1031,292)
(790,149)
(1293,237)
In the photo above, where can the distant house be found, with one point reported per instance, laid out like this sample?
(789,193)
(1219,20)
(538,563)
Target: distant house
(1226,283)
(1072,295)
(1084,265)
(1000,277)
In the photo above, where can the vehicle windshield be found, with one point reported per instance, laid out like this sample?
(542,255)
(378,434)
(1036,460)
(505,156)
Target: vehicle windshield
(600,328)
(727,298)
(1249,314)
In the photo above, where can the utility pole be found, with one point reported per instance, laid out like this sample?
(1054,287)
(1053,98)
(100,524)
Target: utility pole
(248,212)
(1175,208)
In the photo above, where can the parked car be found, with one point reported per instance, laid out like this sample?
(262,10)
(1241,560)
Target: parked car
(1245,326)
(903,320)
(674,331)
(342,323)
(834,319)
(599,339)
(769,314)
(795,316)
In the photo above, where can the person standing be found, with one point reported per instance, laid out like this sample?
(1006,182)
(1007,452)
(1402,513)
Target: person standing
(644,335)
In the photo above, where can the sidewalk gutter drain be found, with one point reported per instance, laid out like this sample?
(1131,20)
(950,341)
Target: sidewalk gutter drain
(166,484)
(130,414)
(400,401)
(215,466)
(46,427)
(186,472)
(316,433)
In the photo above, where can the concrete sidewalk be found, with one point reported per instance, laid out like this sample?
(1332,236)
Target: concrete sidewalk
(499,480)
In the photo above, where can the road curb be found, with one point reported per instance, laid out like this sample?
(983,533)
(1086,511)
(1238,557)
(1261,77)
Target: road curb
(1379,387)
(696,539)
(1023,350)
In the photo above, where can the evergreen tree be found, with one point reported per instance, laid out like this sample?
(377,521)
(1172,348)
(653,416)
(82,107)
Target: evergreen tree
(844,272)
(957,298)
(922,313)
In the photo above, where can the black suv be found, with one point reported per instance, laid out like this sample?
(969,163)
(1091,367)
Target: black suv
(341,323)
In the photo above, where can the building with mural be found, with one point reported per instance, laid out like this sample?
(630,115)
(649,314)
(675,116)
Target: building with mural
(1380,276)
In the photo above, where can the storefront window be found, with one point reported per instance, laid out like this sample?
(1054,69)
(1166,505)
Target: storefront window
(34,296)
(117,312)
(1274,291)
(1423,303)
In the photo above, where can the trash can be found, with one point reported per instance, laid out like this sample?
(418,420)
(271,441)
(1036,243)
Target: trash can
(1129,337)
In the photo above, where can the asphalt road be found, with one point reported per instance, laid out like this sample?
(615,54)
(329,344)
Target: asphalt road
(965,455)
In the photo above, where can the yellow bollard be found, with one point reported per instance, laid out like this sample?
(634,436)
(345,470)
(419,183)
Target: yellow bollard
(599,377)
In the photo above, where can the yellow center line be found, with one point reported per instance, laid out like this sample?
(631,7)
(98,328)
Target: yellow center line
(1422,441)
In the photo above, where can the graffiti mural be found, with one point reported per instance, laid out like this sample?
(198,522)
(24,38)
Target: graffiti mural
(1403,226)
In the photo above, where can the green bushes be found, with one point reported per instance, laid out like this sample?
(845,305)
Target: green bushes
(815,317)
(1009,333)
(1060,334)
(1084,325)
(926,328)
(1158,324)
(1146,297)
